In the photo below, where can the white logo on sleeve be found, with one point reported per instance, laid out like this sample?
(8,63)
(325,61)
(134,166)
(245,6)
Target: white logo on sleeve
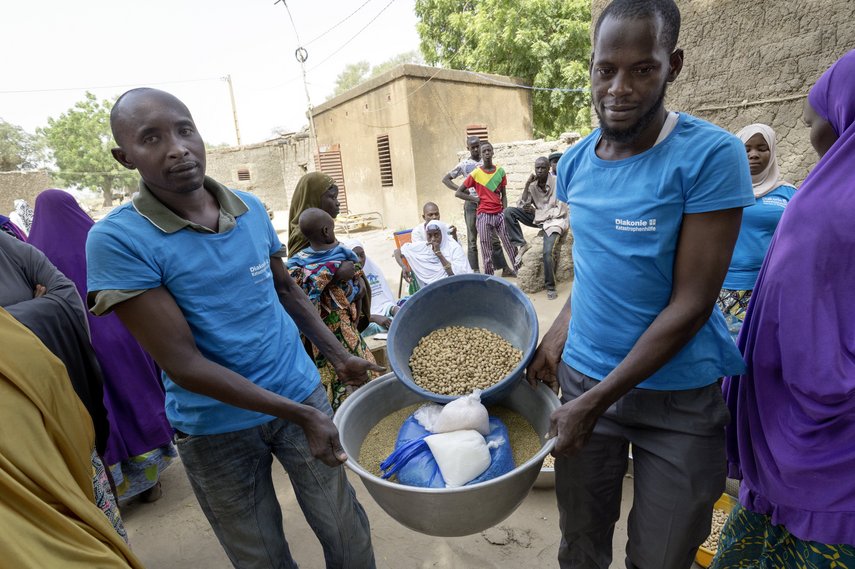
(635,225)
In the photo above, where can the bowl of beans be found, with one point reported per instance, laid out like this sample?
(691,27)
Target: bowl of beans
(463,333)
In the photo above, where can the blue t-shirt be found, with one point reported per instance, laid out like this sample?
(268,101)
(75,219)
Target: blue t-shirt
(626,217)
(758,225)
(224,286)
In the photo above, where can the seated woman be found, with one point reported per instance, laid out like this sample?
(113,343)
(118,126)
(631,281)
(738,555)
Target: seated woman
(758,223)
(383,303)
(48,510)
(329,275)
(438,257)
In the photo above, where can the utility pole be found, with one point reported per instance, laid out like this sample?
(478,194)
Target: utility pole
(228,79)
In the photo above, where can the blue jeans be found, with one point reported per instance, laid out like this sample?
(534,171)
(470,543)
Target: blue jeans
(231,476)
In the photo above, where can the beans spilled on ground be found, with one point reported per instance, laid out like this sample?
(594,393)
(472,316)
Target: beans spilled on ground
(458,359)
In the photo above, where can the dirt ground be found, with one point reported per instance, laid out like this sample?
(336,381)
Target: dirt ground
(173,532)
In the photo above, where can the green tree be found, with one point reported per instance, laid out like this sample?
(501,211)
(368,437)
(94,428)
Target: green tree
(544,42)
(352,75)
(19,150)
(80,141)
(400,59)
(355,73)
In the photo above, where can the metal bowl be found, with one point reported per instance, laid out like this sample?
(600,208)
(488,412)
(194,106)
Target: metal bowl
(473,300)
(445,512)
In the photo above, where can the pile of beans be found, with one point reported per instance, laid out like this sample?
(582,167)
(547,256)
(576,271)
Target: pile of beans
(549,461)
(718,519)
(458,359)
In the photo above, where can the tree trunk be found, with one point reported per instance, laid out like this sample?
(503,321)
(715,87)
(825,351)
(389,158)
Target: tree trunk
(108,193)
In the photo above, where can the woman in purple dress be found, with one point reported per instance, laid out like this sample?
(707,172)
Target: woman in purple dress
(793,411)
(140,443)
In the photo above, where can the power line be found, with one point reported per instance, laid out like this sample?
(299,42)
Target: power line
(354,36)
(343,20)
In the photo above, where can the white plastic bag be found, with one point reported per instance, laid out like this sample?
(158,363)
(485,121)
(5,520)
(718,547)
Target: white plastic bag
(463,413)
(427,415)
(460,455)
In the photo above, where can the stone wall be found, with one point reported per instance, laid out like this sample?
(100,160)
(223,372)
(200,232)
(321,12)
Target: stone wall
(22,185)
(274,167)
(755,62)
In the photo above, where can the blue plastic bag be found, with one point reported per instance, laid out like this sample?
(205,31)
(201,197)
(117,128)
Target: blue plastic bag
(414,464)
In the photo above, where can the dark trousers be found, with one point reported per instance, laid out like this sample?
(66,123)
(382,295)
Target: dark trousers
(469,213)
(679,468)
(513,217)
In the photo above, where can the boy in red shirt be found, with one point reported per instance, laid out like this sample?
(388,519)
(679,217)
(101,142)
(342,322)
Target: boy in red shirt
(489,182)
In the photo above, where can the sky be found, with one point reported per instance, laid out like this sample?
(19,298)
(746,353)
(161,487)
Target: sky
(55,50)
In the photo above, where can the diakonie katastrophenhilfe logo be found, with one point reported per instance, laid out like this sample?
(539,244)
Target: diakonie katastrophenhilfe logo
(635,225)
(262,269)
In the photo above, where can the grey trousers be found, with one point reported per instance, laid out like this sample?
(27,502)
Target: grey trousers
(679,470)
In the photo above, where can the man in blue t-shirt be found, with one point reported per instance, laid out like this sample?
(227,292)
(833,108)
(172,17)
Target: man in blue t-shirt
(195,272)
(655,203)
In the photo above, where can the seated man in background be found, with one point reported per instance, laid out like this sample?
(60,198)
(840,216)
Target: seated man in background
(430,212)
(538,207)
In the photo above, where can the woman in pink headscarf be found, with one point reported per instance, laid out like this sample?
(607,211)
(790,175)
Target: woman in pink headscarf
(793,411)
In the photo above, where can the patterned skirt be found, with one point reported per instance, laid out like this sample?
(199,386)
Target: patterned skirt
(749,540)
(140,473)
(734,305)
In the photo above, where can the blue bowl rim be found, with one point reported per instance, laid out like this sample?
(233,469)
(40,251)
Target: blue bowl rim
(498,387)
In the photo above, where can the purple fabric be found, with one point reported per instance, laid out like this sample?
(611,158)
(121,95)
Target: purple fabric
(133,393)
(794,409)
(12,229)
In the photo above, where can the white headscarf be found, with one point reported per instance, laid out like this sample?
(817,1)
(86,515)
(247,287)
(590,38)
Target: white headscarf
(424,262)
(770,177)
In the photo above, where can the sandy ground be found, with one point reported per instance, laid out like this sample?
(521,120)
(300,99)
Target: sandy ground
(173,532)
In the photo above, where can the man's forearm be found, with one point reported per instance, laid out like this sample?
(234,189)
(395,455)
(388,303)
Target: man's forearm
(449,183)
(208,378)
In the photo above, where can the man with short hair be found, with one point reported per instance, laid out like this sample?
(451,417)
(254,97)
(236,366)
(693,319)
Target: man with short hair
(430,212)
(539,207)
(194,270)
(656,199)
(462,170)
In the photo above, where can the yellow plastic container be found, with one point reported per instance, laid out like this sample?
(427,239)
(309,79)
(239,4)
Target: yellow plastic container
(705,556)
